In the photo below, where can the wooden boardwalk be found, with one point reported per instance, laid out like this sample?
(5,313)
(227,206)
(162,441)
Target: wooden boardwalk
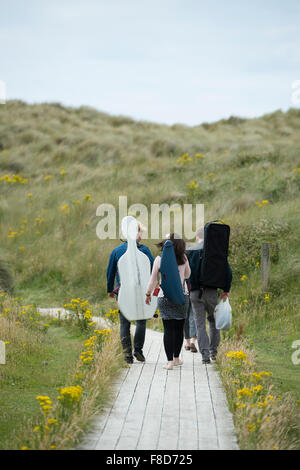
(155,409)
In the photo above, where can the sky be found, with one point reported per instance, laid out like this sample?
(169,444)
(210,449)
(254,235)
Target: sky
(165,61)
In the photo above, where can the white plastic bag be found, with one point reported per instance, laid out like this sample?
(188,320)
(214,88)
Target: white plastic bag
(222,314)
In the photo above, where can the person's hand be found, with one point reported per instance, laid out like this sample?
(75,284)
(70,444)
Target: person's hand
(111,294)
(224,295)
(148,299)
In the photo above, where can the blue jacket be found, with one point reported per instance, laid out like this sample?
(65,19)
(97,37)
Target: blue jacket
(112,268)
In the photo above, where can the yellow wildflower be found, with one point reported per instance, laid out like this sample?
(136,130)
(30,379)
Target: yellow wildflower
(240,405)
(244,392)
(52,421)
(192,185)
(184,158)
(199,155)
(64,208)
(237,355)
(70,394)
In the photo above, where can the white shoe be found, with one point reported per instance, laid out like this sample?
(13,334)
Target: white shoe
(168,366)
(179,363)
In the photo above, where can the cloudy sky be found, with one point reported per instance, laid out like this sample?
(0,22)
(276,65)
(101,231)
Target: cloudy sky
(165,61)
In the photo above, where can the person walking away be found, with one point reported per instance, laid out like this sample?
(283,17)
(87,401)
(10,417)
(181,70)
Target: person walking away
(190,333)
(113,285)
(173,315)
(204,300)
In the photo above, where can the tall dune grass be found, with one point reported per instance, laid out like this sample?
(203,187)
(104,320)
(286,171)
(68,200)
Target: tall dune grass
(57,164)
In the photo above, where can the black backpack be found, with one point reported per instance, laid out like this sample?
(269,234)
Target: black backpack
(214,262)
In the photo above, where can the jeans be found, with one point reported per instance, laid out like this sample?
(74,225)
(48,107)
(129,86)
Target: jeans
(208,345)
(189,324)
(139,336)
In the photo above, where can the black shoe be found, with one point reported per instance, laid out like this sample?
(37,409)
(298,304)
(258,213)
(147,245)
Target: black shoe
(213,357)
(139,355)
(205,361)
(129,359)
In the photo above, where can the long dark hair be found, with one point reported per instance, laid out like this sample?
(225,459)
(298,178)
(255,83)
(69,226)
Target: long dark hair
(179,247)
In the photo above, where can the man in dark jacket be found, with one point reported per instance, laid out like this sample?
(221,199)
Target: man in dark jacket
(113,285)
(204,300)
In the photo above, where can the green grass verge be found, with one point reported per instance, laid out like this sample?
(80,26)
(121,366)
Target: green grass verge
(57,374)
(39,372)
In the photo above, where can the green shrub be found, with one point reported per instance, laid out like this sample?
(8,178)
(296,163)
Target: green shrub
(246,240)
(6,278)
(162,147)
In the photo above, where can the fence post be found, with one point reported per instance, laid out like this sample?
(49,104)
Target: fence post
(265,265)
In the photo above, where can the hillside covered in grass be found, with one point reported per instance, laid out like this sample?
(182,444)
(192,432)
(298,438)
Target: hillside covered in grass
(58,164)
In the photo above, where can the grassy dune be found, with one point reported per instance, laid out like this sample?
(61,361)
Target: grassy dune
(68,161)
(64,155)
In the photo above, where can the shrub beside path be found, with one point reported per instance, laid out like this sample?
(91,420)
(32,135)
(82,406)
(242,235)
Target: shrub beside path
(152,408)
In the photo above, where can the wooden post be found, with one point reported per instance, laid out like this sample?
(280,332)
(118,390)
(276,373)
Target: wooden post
(265,265)
(2,352)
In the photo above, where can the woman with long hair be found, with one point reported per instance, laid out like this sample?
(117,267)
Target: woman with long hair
(173,315)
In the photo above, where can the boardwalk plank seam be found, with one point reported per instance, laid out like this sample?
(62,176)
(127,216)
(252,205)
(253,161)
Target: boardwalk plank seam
(148,396)
(195,401)
(162,408)
(213,408)
(131,400)
(179,408)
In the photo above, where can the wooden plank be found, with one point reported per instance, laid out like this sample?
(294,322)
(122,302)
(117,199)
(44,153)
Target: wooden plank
(169,431)
(113,427)
(150,429)
(188,426)
(134,419)
(114,424)
(207,432)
